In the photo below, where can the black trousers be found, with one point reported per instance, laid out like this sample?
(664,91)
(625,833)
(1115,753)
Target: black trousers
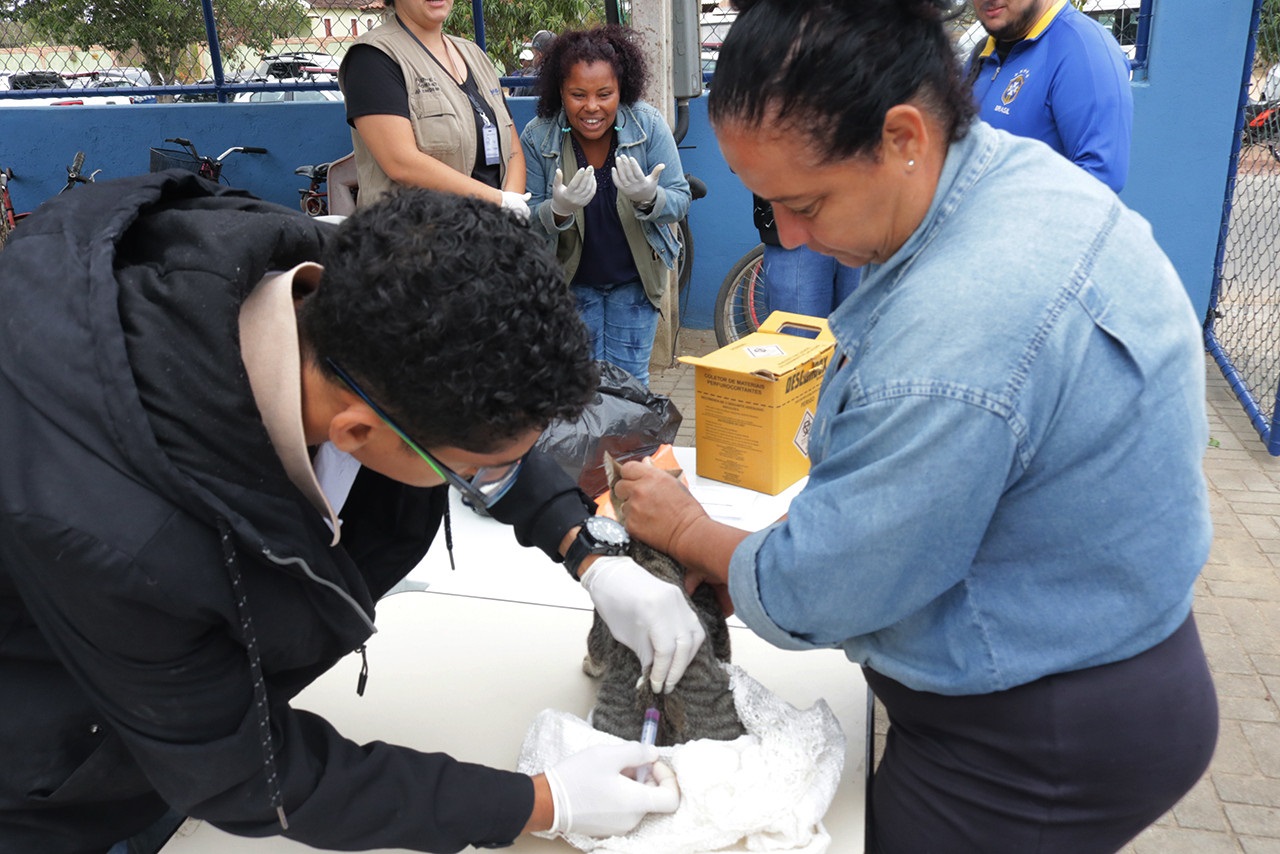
(1072,763)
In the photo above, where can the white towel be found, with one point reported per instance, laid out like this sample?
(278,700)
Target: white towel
(765,791)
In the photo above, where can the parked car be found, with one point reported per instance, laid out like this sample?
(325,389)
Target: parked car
(212,97)
(28,81)
(112,86)
(292,64)
(289,95)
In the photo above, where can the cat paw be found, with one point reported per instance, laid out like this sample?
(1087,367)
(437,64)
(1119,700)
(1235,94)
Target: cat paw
(591,667)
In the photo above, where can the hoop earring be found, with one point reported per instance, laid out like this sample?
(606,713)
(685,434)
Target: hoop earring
(565,130)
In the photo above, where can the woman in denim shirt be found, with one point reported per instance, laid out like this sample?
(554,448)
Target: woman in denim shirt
(607,186)
(1006,511)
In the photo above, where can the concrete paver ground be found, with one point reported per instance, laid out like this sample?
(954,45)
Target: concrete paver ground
(1236,805)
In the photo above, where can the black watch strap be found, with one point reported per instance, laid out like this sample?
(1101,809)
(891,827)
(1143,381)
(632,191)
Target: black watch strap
(575,554)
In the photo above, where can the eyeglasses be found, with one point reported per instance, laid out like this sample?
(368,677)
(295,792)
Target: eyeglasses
(482,490)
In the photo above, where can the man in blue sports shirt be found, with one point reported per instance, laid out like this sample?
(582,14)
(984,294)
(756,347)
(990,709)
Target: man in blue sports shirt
(1051,73)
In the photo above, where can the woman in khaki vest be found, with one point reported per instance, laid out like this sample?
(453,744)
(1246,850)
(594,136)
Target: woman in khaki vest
(427,110)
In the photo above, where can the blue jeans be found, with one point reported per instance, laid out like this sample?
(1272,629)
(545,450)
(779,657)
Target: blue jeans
(622,323)
(806,282)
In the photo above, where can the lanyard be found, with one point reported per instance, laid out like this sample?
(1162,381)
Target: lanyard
(489,131)
(475,106)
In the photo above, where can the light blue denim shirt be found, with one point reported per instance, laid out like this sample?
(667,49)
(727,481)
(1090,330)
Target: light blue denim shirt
(642,134)
(1006,469)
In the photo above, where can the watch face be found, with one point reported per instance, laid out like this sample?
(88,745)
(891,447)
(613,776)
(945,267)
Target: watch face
(606,530)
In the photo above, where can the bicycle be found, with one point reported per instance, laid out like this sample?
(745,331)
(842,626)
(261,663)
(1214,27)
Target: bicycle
(9,217)
(314,198)
(193,161)
(743,300)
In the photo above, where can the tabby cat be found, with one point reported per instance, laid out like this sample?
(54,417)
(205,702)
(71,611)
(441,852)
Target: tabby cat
(701,705)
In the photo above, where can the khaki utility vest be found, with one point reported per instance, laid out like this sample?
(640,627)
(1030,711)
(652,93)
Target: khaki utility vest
(441,113)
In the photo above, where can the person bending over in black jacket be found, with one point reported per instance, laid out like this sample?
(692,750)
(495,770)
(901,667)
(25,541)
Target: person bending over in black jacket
(182,426)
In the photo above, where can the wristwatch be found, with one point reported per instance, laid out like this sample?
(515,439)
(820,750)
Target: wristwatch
(599,535)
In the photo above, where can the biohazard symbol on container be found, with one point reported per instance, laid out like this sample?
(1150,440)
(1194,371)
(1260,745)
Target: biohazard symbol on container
(802,432)
(1015,86)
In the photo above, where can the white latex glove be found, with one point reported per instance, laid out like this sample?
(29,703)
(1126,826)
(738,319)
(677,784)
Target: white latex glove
(517,203)
(631,181)
(568,199)
(591,796)
(653,618)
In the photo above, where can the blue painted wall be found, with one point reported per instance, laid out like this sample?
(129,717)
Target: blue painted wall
(1184,112)
(1183,122)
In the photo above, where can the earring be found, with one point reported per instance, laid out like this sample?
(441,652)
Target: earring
(615,127)
(564,130)
(911,164)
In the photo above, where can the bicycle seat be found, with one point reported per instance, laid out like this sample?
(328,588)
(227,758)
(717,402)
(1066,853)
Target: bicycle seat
(697,186)
(316,172)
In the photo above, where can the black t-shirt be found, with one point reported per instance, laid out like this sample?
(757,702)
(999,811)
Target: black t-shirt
(374,86)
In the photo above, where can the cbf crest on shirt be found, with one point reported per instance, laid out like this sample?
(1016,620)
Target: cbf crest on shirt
(1015,86)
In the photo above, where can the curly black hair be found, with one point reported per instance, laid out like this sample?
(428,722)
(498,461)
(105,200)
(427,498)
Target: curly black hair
(454,317)
(831,69)
(615,44)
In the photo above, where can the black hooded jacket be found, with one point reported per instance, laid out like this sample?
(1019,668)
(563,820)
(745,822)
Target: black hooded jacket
(164,588)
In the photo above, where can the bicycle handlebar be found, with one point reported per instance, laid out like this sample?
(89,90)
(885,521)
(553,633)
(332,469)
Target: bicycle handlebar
(242,149)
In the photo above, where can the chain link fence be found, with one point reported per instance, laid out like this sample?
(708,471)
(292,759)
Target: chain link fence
(1242,329)
(138,50)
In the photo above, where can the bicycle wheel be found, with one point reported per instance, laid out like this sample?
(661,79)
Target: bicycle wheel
(315,203)
(743,301)
(684,261)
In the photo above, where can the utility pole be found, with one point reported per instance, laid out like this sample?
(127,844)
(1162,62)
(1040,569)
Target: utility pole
(652,20)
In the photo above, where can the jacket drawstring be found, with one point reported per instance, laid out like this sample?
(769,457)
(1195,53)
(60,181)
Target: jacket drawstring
(363,678)
(255,669)
(448,534)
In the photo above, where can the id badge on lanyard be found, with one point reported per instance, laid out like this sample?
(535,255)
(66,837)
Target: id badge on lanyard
(490,135)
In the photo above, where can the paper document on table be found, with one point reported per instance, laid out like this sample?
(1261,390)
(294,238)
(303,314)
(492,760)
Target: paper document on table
(742,508)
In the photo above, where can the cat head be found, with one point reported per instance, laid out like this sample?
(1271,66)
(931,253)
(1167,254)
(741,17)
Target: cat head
(613,473)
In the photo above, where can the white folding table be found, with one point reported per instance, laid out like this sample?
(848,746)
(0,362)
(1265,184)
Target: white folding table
(465,665)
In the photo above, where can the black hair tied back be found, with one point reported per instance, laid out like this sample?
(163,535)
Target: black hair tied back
(832,69)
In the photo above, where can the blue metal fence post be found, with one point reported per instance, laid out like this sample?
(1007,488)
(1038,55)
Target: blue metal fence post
(477,14)
(215,51)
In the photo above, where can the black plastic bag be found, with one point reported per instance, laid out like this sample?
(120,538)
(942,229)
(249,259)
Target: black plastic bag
(625,419)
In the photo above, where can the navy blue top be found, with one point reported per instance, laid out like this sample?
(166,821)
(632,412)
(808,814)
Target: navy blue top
(606,256)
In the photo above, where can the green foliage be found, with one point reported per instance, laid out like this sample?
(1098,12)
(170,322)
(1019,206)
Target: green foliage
(1268,50)
(161,33)
(509,24)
